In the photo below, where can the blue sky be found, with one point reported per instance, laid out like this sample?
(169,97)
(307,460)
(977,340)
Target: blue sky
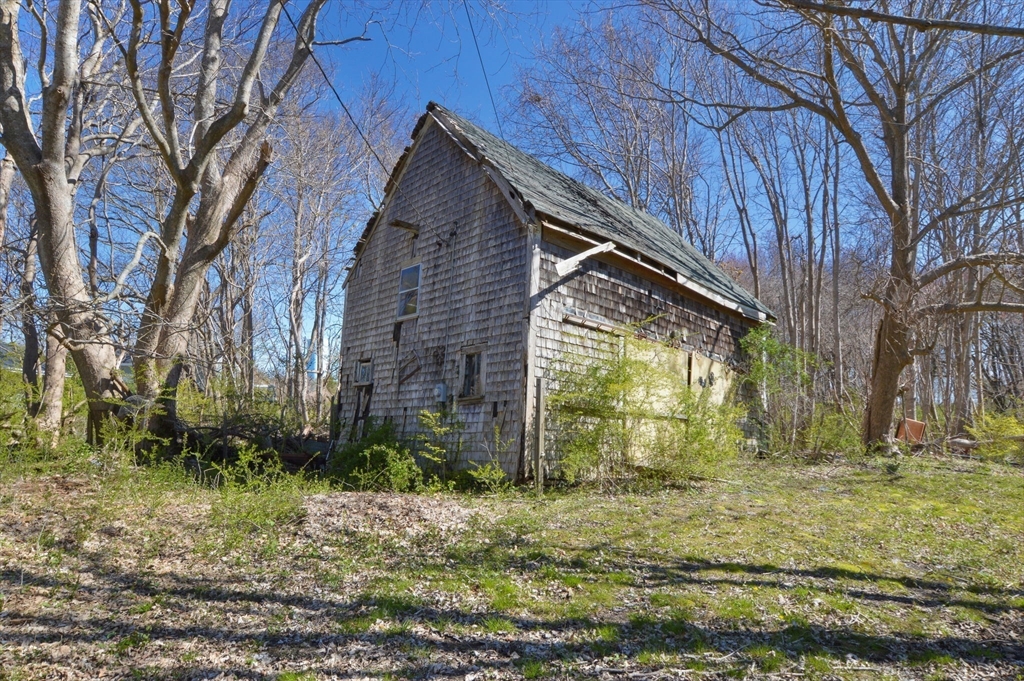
(429,52)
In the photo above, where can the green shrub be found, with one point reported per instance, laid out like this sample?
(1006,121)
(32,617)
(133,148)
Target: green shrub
(379,462)
(488,478)
(386,468)
(795,408)
(697,437)
(626,412)
(832,431)
(440,447)
(1001,437)
(12,402)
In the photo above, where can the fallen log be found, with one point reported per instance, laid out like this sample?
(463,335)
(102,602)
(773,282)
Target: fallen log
(964,443)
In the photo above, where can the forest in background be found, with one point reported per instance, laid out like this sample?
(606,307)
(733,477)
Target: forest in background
(181,191)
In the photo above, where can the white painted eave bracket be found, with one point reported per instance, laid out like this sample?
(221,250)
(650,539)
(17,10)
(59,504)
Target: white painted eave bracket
(685,282)
(566,266)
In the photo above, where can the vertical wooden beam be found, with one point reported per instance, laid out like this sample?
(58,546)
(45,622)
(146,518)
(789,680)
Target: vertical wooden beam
(530,319)
(538,449)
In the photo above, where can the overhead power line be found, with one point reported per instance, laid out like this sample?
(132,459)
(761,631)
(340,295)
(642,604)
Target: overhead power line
(483,68)
(341,102)
(369,145)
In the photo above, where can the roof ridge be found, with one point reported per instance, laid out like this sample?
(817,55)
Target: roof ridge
(569,200)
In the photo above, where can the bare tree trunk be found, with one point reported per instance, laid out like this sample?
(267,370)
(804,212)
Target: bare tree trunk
(248,340)
(29,331)
(892,349)
(319,334)
(7,169)
(910,392)
(51,400)
(6,180)
(734,174)
(51,181)
(296,298)
(837,340)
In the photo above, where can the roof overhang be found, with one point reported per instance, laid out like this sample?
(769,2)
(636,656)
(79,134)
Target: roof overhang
(648,267)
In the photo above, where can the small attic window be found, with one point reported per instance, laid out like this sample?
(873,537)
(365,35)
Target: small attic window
(408,291)
(472,374)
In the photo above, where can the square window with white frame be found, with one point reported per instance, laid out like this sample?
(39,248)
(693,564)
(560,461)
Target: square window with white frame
(364,372)
(408,291)
(472,384)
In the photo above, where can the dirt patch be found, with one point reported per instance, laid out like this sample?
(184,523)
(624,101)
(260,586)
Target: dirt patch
(384,515)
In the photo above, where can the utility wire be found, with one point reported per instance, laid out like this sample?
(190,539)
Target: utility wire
(312,55)
(487,81)
(351,118)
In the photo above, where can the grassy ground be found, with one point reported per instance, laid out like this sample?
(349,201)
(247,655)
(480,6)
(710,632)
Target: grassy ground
(782,571)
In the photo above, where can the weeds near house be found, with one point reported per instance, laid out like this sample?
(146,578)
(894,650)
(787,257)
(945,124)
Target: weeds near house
(379,461)
(256,501)
(440,444)
(795,419)
(627,412)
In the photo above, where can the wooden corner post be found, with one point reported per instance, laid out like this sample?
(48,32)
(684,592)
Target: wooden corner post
(538,428)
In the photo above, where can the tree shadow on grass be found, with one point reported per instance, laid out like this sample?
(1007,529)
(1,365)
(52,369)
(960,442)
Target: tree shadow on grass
(668,571)
(407,636)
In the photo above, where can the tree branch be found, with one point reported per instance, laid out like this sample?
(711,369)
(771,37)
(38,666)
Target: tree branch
(902,20)
(131,60)
(14,113)
(132,264)
(982,306)
(57,95)
(977,260)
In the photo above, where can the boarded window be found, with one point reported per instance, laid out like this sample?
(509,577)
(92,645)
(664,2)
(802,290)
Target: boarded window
(408,291)
(364,372)
(472,375)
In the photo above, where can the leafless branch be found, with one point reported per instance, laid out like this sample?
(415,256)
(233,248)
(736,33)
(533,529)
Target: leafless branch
(903,20)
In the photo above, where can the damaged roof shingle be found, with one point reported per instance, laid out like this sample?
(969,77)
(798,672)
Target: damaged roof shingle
(558,196)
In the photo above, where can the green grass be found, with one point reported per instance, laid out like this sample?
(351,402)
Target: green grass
(533,669)
(783,569)
(852,554)
(498,625)
(134,640)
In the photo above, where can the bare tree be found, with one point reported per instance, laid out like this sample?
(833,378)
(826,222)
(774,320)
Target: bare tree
(870,81)
(214,157)
(592,102)
(222,187)
(51,151)
(323,189)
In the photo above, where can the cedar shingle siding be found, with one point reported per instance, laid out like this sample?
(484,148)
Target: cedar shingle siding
(483,248)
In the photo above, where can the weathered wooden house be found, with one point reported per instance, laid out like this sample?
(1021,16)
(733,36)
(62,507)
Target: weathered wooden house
(484,264)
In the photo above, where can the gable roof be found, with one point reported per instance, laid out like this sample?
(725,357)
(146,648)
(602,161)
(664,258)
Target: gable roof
(554,194)
(548,192)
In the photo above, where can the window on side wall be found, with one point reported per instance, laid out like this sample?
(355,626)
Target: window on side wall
(408,291)
(472,375)
(364,372)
